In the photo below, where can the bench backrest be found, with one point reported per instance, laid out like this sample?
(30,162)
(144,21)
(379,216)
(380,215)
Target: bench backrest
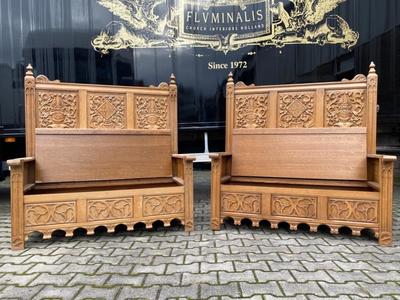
(308,131)
(86,132)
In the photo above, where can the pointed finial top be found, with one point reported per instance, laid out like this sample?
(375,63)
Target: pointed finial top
(372,68)
(172,79)
(230,77)
(29,70)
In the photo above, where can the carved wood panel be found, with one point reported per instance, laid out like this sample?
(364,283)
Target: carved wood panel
(151,112)
(345,108)
(105,209)
(353,210)
(57,109)
(241,203)
(154,205)
(251,111)
(294,206)
(296,110)
(106,111)
(50,213)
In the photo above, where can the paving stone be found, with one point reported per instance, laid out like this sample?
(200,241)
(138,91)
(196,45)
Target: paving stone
(167,260)
(110,260)
(131,280)
(277,266)
(211,258)
(189,268)
(243,266)
(334,249)
(157,252)
(349,288)
(225,266)
(14,268)
(246,276)
(90,292)
(207,290)
(132,260)
(382,277)
(321,265)
(183,292)
(17,280)
(46,278)
(381,289)
(98,252)
(43,268)
(47,259)
(10,292)
(179,251)
(144,269)
(111,269)
(127,292)
(243,257)
(247,249)
(12,259)
(308,288)
(255,257)
(266,276)
(215,250)
(319,275)
(70,251)
(171,279)
(275,249)
(268,288)
(56,292)
(92,280)
(342,276)
(329,256)
(210,278)
(360,265)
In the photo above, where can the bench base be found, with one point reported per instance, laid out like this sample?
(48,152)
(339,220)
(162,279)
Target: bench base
(354,208)
(46,212)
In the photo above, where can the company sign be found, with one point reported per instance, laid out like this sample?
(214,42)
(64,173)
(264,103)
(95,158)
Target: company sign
(222,25)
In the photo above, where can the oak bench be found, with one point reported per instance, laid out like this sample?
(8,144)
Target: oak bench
(98,155)
(304,154)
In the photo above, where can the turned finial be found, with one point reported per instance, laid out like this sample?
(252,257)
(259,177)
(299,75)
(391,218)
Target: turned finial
(230,77)
(372,68)
(29,70)
(172,79)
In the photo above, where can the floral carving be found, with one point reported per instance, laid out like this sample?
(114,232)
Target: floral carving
(251,111)
(353,210)
(345,108)
(296,110)
(57,109)
(294,206)
(163,204)
(107,111)
(241,203)
(50,213)
(151,112)
(109,209)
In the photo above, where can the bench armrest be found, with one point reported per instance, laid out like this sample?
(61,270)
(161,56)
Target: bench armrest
(375,165)
(22,169)
(19,161)
(182,165)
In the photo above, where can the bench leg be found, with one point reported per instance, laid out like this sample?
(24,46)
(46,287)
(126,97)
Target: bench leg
(188,196)
(17,209)
(386,205)
(216,194)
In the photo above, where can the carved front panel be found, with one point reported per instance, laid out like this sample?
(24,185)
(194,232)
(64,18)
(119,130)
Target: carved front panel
(353,210)
(345,108)
(241,203)
(50,213)
(109,209)
(251,111)
(163,204)
(151,112)
(57,109)
(294,206)
(106,111)
(296,110)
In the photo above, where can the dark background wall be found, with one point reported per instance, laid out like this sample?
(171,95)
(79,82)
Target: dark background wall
(55,35)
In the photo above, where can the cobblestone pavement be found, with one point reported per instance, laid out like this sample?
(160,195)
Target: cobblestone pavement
(236,262)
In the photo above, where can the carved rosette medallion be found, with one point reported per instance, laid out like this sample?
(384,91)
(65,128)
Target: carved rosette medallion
(296,110)
(50,213)
(57,109)
(151,112)
(353,210)
(105,209)
(106,111)
(241,203)
(345,108)
(294,206)
(154,205)
(251,111)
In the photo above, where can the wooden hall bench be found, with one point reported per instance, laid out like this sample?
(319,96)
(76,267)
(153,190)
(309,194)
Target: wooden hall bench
(98,155)
(304,153)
